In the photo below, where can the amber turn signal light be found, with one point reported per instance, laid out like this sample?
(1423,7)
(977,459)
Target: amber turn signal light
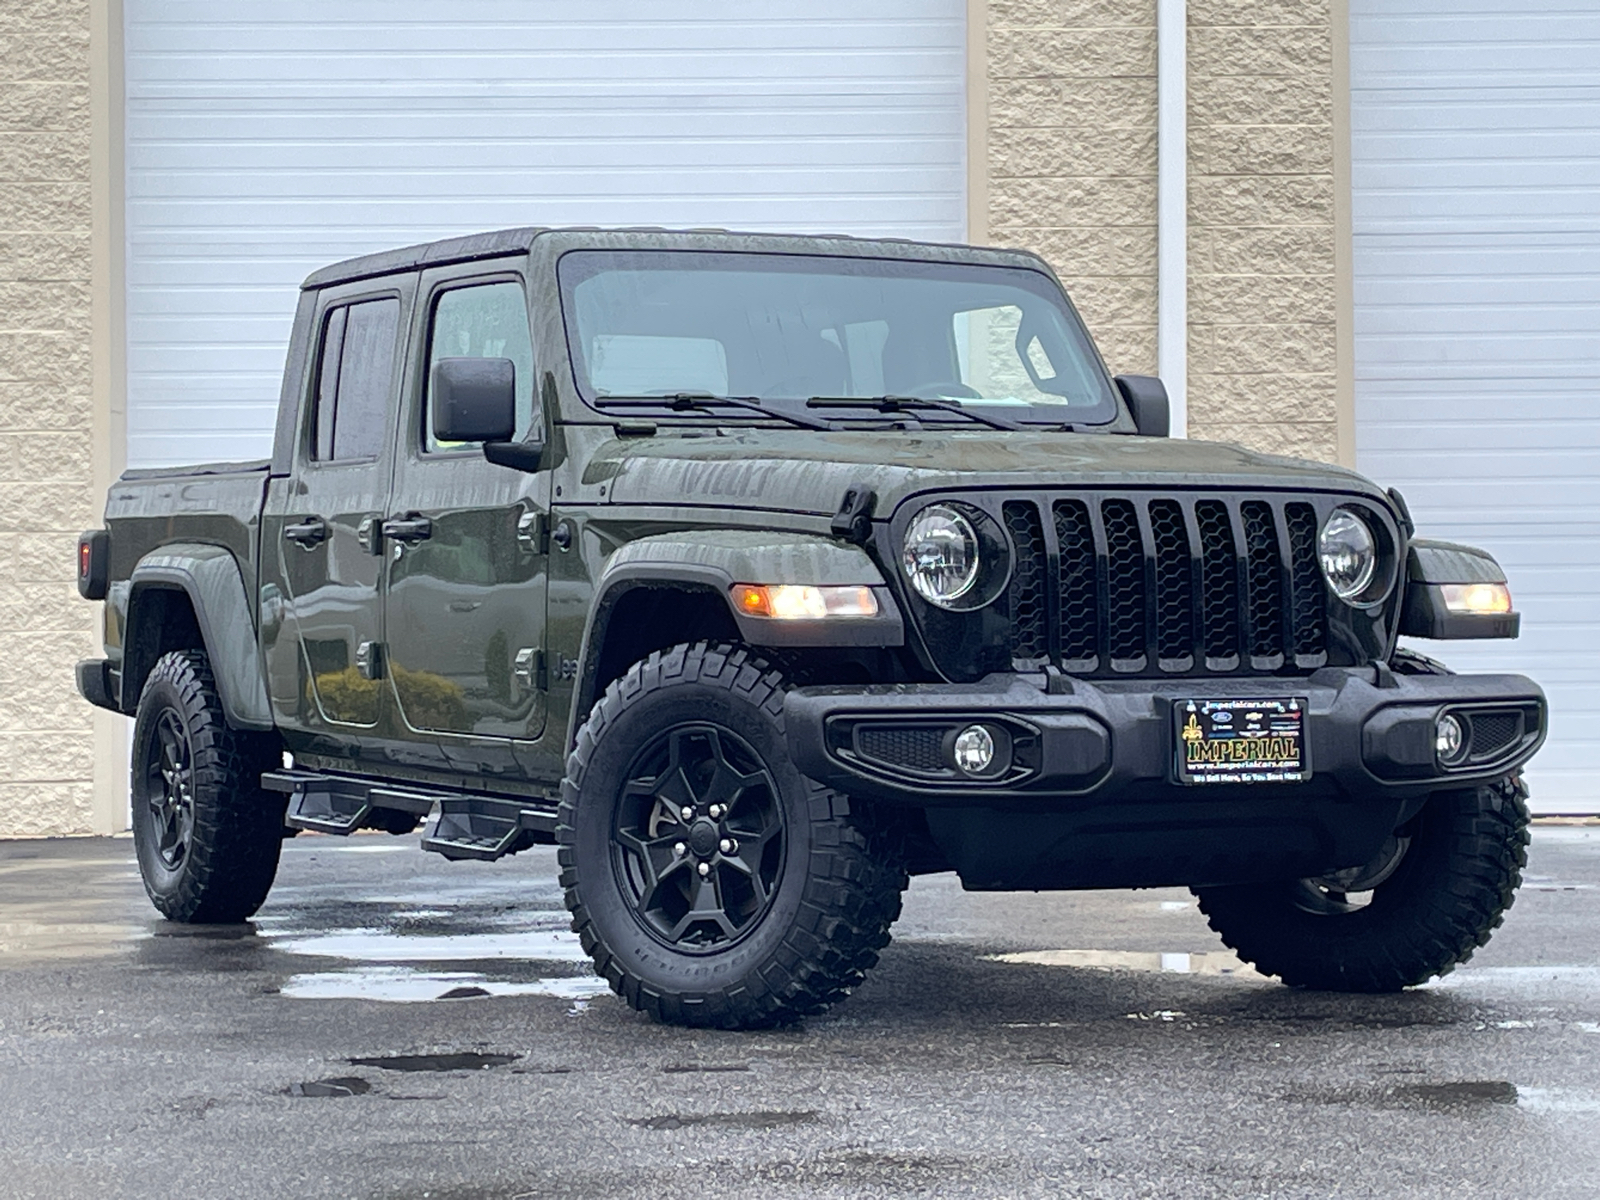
(1482,598)
(803,602)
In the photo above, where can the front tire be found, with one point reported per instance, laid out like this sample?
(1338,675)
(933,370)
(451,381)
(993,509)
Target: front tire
(206,833)
(712,883)
(1440,891)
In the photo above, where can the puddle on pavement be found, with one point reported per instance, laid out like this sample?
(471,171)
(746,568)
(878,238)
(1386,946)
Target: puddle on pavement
(378,945)
(403,985)
(1560,983)
(1557,1100)
(343,1085)
(61,907)
(740,1120)
(473,1061)
(403,953)
(1215,963)
(24,941)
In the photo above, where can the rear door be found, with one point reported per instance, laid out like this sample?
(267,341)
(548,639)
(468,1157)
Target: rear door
(466,578)
(322,560)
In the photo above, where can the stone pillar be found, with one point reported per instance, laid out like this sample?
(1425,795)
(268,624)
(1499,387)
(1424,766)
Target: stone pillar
(47,492)
(1072,157)
(1263,290)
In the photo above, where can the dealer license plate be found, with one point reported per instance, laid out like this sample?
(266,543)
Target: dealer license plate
(1242,741)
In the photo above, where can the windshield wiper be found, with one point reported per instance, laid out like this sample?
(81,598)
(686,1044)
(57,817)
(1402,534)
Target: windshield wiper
(705,401)
(909,405)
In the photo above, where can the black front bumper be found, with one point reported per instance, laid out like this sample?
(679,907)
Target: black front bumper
(1092,798)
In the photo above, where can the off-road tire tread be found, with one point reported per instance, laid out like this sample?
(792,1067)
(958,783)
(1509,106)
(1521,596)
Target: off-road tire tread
(852,894)
(238,826)
(1486,831)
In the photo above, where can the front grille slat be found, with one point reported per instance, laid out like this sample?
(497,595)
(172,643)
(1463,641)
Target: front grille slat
(1029,620)
(1263,581)
(1165,584)
(1310,617)
(1219,585)
(1079,610)
(1174,586)
(1125,607)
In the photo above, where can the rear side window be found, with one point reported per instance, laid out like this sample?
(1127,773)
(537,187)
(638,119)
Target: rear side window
(355,380)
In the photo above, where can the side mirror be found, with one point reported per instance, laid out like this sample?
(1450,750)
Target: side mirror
(1147,401)
(474,400)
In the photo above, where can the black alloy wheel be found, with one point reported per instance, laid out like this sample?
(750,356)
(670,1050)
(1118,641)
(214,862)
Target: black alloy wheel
(699,840)
(169,788)
(1352,889)
(206,833)
(713,884)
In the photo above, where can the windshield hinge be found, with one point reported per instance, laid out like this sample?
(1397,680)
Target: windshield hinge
(853,521)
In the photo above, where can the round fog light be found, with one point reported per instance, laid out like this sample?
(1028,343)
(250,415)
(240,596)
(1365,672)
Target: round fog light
(974,749)
(1449,739)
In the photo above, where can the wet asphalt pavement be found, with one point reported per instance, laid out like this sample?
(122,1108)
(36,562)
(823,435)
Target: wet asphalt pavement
(1096,1045)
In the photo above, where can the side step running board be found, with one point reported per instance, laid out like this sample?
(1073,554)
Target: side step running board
(321,803)
(476,827)
(460,825)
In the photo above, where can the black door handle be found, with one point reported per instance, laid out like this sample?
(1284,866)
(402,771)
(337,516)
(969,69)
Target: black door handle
(310,532)
(408,529)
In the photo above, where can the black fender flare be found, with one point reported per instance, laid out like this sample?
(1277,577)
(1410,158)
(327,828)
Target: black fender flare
(210,577)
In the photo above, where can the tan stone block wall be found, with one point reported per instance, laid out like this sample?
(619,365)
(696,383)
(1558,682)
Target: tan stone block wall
(1262,283)
(1072,156)
(46,470)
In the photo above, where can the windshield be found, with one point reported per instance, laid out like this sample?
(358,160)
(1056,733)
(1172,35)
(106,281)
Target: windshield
(787,329)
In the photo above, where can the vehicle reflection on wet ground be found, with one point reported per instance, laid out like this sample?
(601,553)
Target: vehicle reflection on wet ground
(394,1025)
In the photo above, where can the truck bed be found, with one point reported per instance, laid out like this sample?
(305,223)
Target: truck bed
(216,504)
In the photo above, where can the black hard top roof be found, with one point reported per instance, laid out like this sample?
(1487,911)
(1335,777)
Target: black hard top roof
(512,241)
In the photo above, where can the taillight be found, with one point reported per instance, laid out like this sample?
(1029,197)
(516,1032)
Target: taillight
(94,563)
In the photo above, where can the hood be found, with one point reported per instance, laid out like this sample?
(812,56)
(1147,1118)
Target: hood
(805,471)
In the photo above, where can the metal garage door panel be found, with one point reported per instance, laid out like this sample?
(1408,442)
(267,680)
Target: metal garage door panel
(1476,148)
(264,141)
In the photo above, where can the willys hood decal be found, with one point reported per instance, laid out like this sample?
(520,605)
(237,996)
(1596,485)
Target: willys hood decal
(807,472)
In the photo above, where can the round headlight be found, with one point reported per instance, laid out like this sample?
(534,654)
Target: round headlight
(940,557)
(1349,554)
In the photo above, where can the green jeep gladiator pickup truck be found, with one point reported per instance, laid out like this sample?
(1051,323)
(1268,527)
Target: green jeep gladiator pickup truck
(756,573)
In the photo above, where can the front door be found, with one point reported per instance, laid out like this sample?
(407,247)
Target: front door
(465,599)
(321,558)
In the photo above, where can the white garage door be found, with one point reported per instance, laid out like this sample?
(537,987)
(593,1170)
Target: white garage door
(1477,306)
(264,140)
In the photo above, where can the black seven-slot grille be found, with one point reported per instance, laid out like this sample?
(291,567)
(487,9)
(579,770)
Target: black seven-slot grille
(1125,585)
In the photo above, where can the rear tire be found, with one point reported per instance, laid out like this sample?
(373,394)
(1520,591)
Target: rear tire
(1448,891)
(206,833)
(712,883)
